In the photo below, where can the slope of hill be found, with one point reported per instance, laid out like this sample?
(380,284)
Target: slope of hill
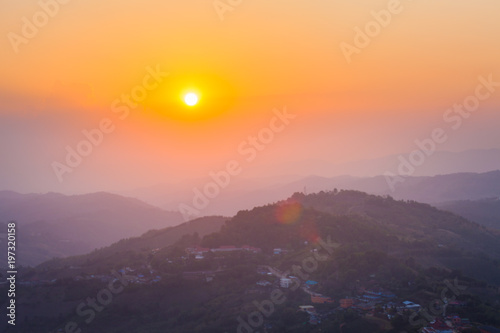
(410,220)
(117,254)
(52,225)
(401,228)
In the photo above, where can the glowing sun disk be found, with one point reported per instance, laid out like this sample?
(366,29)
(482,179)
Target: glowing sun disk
(191,99)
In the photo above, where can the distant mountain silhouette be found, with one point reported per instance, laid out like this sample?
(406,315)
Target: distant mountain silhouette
(439,163)
(484,211)
(53,224)
(427,189)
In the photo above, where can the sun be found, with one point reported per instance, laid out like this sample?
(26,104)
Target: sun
(191,99)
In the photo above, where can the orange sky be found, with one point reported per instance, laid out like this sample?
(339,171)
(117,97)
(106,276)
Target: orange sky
(263,55)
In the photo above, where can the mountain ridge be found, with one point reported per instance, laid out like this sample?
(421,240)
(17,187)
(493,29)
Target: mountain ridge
(54,224)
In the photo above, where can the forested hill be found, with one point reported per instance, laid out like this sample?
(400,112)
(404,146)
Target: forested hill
(362,221)
(354,219)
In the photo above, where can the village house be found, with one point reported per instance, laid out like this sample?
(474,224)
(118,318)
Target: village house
(285,282)
(346,303)
(321,299)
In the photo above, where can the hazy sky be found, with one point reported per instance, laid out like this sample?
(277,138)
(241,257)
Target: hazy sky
(70,73)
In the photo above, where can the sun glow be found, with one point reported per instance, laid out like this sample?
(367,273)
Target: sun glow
(191,99)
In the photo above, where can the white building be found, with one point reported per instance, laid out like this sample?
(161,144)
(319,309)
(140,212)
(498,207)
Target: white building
(410,305)
(285,282)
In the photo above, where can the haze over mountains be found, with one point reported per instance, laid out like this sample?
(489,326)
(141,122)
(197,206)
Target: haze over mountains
(283,179)
(59,225)
(51,225)
(484,211)
(153,239)
(427,189)
(439,163)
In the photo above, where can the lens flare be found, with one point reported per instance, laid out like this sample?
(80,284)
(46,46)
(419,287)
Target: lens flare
(289,212)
